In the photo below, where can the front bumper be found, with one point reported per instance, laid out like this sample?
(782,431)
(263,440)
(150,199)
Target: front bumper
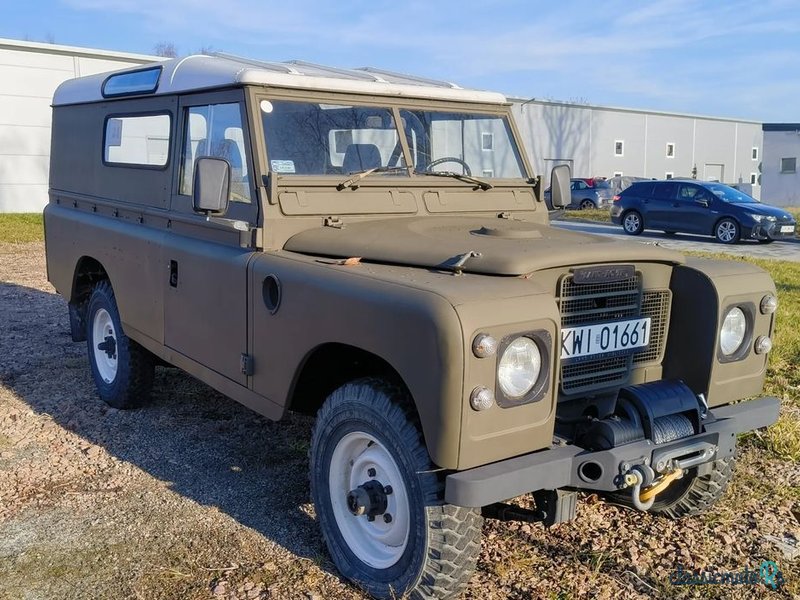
(560,466)
(771,230)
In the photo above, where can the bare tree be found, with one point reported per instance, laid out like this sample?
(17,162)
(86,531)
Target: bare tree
(208,50)
(166,49)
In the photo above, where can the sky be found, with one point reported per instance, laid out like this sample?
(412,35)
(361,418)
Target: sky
(728,58)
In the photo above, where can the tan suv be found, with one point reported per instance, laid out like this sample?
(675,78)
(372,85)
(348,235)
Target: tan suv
(374,249)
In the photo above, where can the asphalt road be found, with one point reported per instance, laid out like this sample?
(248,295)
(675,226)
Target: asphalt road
(783,250)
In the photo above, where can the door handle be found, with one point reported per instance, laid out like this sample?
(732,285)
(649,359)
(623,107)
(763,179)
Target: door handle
(173,273)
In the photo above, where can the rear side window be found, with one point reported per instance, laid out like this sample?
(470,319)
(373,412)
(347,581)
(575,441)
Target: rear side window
(137,140)
(643,190)
(665,191)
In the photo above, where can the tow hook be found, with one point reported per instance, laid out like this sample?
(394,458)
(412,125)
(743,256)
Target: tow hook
(643,499)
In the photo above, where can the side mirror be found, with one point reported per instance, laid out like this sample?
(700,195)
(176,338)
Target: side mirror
(560,195)
(212,185)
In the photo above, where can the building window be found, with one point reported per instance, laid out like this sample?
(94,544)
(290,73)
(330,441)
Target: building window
(671,150)
(669,175)
(755,153)
(619,148)
(487,141)
(488,172)
(789,165)
(137,140)
(753,178)
(617,173)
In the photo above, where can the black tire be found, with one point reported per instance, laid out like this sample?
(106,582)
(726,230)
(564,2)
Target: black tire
(587,205)
(727,231)
(632,222)
(442,540)
(129,384)
(694,495)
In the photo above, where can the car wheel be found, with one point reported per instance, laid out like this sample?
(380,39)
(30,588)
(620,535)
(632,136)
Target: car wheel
(632,223)
(587,205)
(122,370)
(695,494)
(727,231)
(380,500)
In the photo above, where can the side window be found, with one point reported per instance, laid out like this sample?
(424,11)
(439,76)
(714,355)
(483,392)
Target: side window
(665,191)
(216,130)
(688,193)
(137,140)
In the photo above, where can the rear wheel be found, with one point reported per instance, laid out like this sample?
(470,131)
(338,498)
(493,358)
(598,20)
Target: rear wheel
(122,370)
(379,498)
(727,231)
(632,223)
(587,205)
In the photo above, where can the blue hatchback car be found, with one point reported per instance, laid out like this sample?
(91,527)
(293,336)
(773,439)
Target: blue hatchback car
(706,208)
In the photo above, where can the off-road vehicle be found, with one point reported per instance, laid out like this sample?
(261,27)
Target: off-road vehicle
(374,249)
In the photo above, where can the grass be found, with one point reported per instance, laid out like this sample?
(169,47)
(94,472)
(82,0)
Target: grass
(19,228)
(594,214)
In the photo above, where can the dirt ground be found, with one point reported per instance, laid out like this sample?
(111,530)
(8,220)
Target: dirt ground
(195,496)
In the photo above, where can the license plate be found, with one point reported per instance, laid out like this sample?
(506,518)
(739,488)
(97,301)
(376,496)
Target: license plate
(604,338)
(787,228)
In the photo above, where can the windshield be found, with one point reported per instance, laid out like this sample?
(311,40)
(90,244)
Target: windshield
(470,144)
(729,194)
(306,138)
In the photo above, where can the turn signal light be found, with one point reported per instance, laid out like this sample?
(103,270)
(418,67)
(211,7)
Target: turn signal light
(616,198)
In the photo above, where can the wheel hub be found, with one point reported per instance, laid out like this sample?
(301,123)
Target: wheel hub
(109,346)
(368,499)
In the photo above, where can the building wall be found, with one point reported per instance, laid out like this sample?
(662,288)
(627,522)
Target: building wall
(29,74)
(777,187)
(585,137)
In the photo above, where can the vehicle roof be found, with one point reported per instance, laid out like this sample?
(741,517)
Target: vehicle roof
(202,72)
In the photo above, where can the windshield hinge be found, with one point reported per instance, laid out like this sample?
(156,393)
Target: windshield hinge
(333,222)
(458,266)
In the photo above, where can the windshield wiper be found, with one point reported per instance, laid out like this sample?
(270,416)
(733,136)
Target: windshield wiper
(481,183)
(359,175)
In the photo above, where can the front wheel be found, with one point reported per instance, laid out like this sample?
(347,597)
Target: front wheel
(379,498)
(695,494)
(727,231)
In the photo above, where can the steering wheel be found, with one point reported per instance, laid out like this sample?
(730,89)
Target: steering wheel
(445,159)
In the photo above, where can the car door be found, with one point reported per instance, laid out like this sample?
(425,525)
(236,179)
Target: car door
(205,259)
(691,209)
(658,208)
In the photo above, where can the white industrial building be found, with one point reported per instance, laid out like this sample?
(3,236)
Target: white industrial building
(600,141)
(29,74)
(780,178)
(593,140)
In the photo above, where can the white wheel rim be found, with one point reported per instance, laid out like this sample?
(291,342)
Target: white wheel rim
(102,330)
(726,231)
(377,543)
(631,223)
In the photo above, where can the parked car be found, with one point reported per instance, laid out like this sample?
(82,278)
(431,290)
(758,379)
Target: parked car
(587,193)
(262,227)
(706,208)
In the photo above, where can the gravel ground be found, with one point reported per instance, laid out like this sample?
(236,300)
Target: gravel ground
(195,496)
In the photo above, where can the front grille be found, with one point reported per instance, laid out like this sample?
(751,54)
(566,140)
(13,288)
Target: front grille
(656,305)
(583,304)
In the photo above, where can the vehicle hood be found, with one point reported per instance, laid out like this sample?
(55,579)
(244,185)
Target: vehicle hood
(766,210)
(505,247)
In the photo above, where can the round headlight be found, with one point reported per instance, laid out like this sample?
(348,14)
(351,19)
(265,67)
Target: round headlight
(519,367)
(734,328)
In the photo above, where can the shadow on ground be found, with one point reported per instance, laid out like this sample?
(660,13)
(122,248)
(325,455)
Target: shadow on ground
(206,447)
